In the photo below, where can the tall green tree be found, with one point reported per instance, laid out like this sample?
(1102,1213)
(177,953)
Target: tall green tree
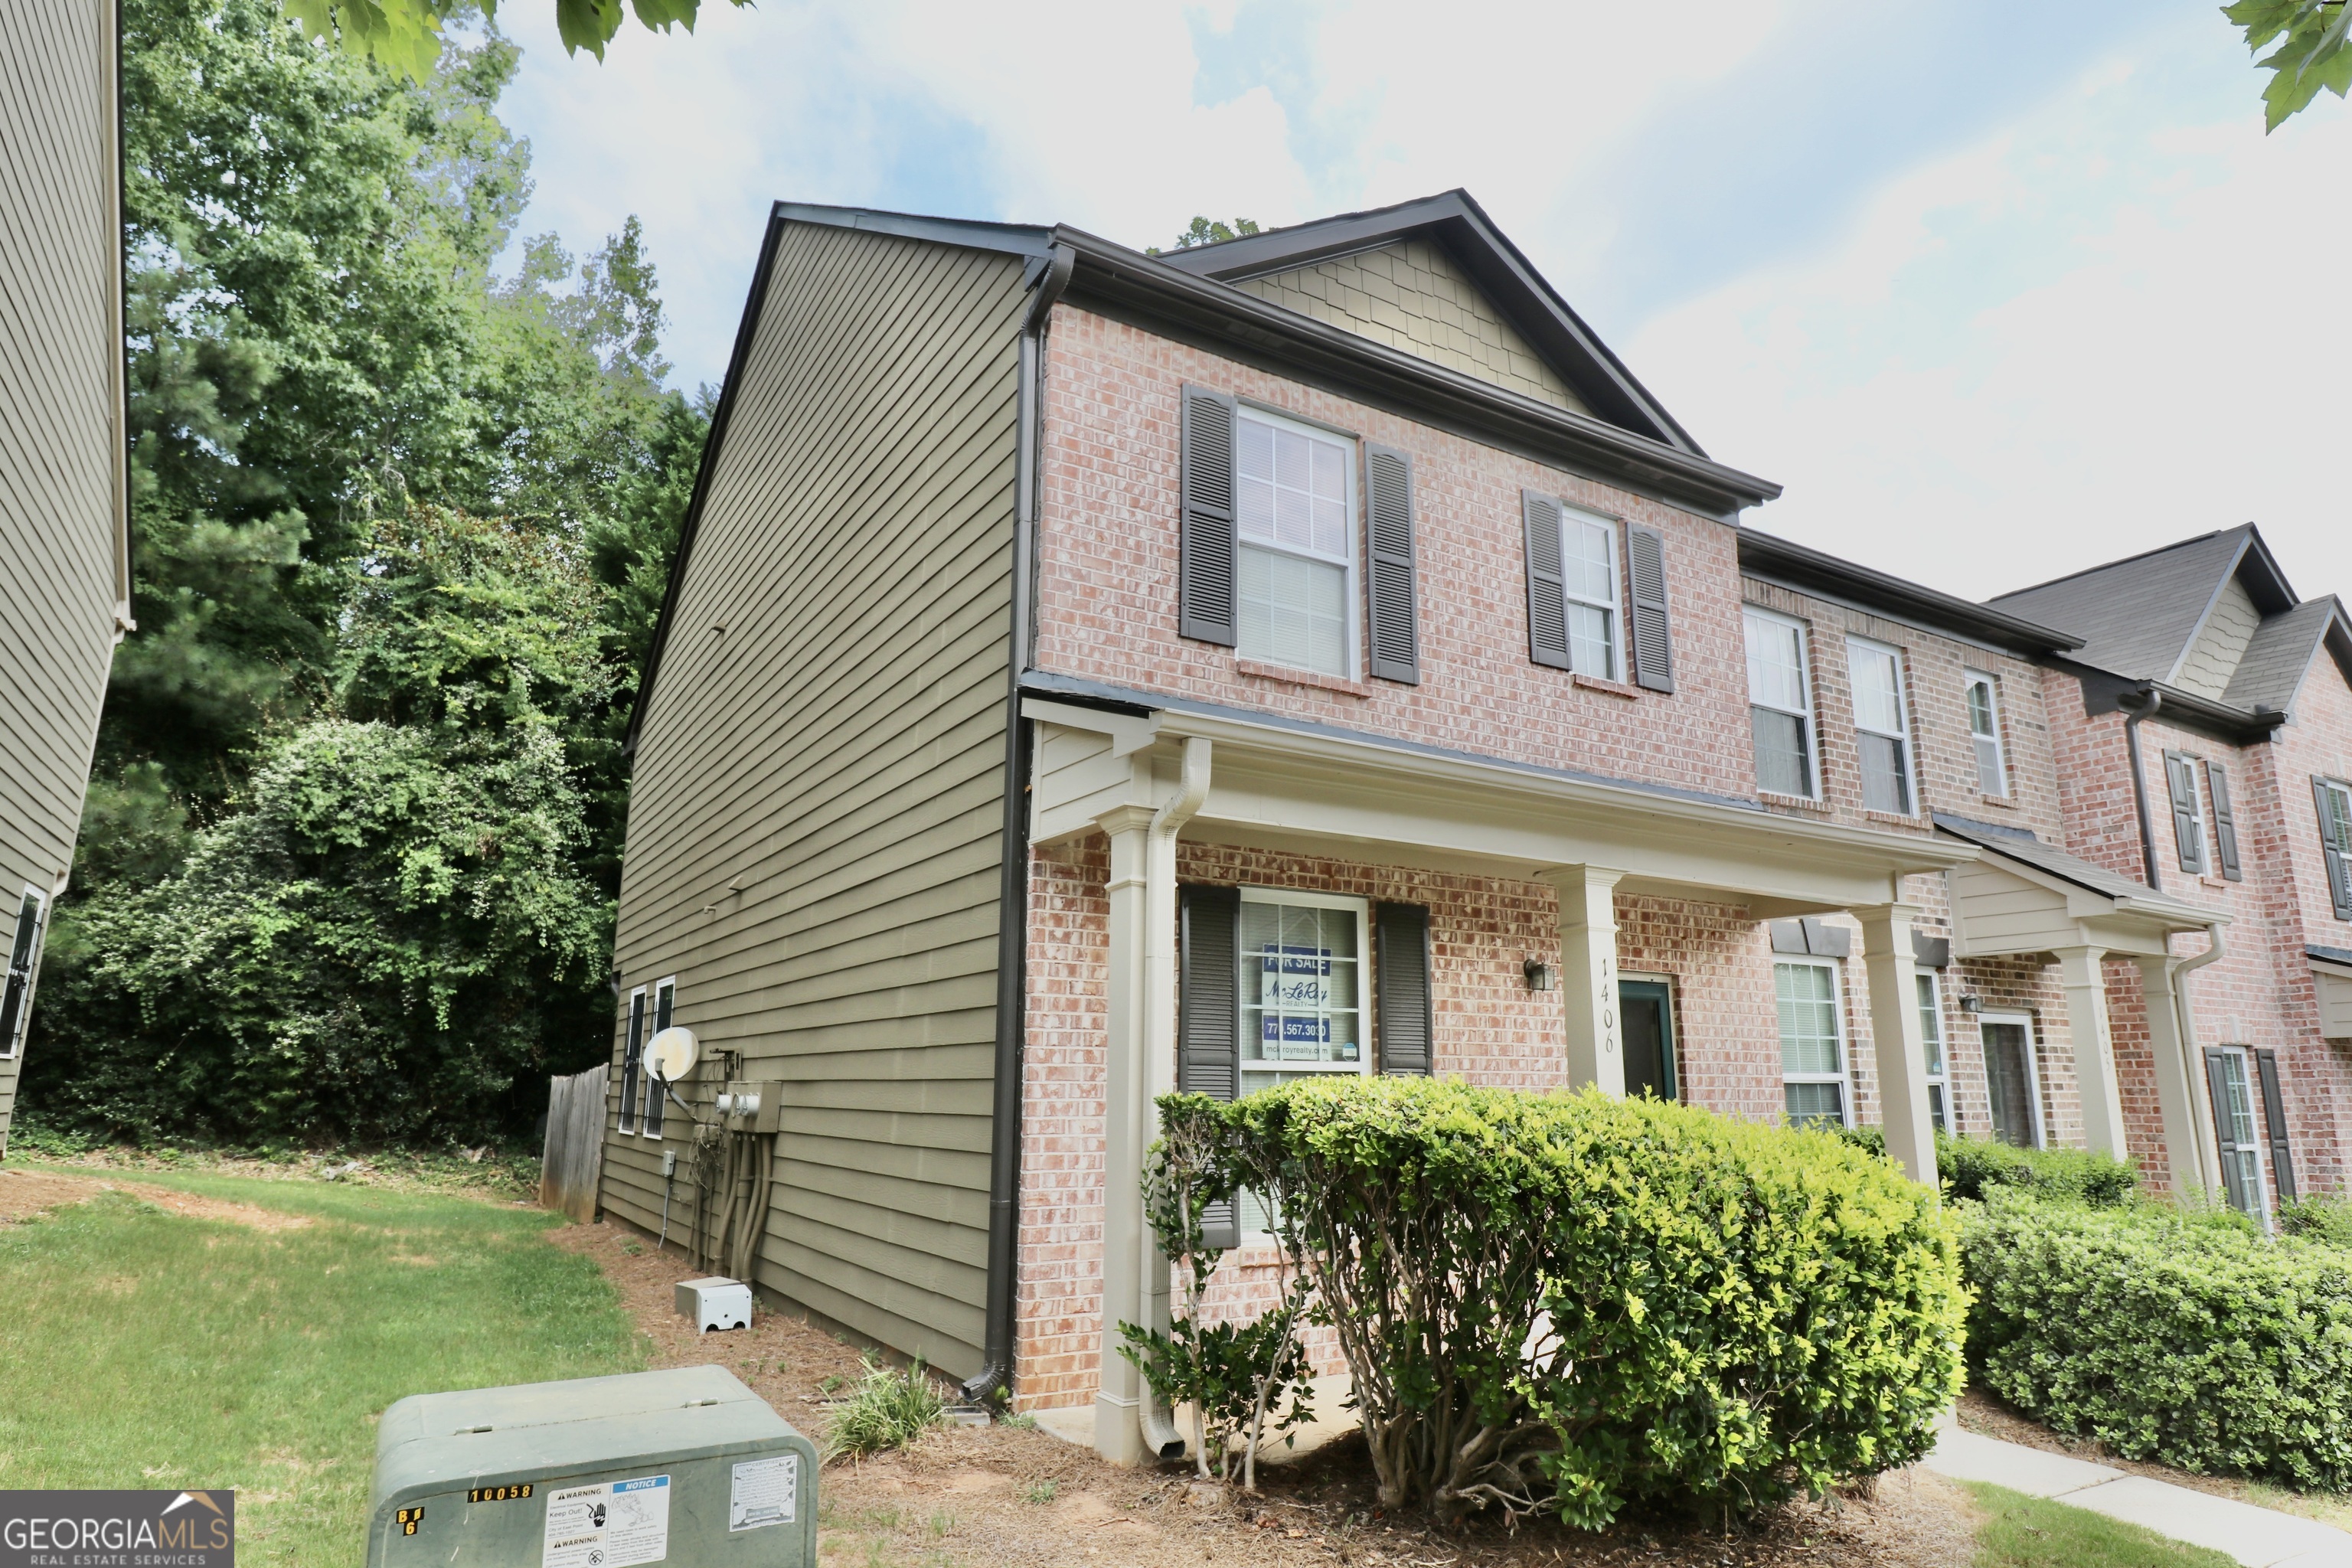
(406,35)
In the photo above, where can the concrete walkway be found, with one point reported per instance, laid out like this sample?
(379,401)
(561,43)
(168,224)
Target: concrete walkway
(2257,1536)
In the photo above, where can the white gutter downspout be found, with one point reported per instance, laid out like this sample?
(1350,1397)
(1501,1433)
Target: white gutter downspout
(1158,1076)
(2208,1156)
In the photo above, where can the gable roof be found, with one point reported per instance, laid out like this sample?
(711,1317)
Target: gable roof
(2137,616)
(2026,848)
(1458,226)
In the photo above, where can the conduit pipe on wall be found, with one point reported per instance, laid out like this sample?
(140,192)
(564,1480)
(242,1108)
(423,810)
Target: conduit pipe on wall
(1158,1076)
(995,1376)
(2142,705)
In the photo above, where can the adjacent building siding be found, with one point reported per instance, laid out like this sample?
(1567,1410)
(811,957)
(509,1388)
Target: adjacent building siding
(1411,296)
(2213,658)
(61,560)
(814,836)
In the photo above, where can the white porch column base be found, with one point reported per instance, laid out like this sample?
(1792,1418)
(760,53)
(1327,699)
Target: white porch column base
(1119,1436)
(2094,1050)
(1899,1047)
(1588,975)
(2196,1166)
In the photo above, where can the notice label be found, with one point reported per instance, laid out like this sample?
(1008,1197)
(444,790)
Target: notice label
(766,1491)
(609,1526)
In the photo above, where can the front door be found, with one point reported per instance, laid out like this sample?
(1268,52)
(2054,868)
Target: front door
(1647,1008)
(2010,1080)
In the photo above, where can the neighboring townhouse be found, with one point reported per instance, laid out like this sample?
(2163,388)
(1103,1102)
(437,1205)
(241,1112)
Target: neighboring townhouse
(65,563)
(1086,675)
(2203,744)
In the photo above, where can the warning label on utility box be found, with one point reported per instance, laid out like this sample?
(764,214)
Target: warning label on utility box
(608,1526)
(765,1492)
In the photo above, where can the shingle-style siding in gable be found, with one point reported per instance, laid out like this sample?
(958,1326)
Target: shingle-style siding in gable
(2213,658)
(60,460)
(2135,616)
(1411,296)
(818,794)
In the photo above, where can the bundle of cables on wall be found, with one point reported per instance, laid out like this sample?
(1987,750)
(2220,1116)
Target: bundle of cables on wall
(733,1172)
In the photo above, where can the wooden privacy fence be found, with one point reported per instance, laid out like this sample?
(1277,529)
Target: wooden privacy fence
(575,1156)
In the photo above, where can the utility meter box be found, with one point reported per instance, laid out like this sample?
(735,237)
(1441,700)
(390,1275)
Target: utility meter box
(686,1467)
(715,1303)
(751,1107)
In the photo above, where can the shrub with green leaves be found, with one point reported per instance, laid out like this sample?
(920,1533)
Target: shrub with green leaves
(1570,1303)
(890,1409)
(2203,1346)
(1967,1167)
(2318,1216)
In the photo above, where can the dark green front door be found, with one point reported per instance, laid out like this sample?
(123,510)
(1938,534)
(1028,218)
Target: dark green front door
(1649,1032)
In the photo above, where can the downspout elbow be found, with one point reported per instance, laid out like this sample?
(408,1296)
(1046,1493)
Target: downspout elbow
(1191,789)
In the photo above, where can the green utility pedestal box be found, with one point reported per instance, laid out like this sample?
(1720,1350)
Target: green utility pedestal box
(686,1467)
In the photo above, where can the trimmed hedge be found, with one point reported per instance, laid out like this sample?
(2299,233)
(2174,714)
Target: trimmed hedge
(2200,1345)
(1967,1167)
(1571,1302)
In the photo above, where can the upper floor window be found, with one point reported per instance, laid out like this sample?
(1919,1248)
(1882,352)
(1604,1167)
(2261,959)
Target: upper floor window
(2188,811)
(2334,798)
(1588,552)
(1880,734)
(1781,704)
(1294,506)
(1984,732)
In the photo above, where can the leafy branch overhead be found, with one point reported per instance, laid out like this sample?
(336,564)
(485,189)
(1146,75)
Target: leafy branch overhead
(405,36)
(2312,50)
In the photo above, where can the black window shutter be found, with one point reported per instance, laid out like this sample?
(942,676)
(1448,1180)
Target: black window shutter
(2225,824)
(2217,1084)
(2275,1122)
(2335,850)
(631,1055)
(1396,637)
(1546,592)
(2182,785)
(656,1096)
(1407,1017)
(24,957)
(1653,649)
(1205,559)
(1208,1015)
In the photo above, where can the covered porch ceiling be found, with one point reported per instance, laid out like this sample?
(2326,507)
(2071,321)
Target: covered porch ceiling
(1307,789)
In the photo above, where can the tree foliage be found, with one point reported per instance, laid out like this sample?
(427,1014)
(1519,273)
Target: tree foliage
(379,488)
(2315,50)
(1209,231)
(406,36)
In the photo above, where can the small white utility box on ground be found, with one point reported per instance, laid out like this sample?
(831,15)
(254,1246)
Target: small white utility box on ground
(715,1303)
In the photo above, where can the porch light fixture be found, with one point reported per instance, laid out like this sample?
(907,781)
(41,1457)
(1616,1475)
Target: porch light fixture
(1541,976)
(1971,1002)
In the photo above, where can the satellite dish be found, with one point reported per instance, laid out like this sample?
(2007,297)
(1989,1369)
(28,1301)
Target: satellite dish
(671,1055)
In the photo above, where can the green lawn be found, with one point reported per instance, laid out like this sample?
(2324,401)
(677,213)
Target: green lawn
(2021,1531)
(146,1348)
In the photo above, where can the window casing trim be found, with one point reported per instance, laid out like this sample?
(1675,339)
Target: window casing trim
(1571,516)
(2032,1065)
(1351,593)
(1805,716)
(1972,679)
(1842,1076)
(1907,752)
(1246,1013)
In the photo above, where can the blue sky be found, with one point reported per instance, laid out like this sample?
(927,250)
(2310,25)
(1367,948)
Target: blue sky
(1995,290)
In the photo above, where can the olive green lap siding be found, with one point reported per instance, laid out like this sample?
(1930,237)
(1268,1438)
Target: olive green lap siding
(60,342)
(817,808)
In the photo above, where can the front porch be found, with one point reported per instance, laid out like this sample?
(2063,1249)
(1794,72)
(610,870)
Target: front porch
(1602,882)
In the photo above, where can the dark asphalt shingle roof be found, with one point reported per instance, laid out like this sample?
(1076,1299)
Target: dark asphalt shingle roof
(2135,616)
(2017,845)
(2282,650)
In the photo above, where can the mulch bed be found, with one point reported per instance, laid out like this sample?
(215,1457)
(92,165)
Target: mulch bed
(1003,1495)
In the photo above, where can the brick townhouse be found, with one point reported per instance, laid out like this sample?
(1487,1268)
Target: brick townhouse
(1087,674)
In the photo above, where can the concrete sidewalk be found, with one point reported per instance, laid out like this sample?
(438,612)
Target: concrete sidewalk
(2257,1536)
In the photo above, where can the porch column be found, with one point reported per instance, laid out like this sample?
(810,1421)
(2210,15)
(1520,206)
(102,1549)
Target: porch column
(2094,1050)
(1896,1042)
(1119,1399)
(1588,975)
(2195,1167)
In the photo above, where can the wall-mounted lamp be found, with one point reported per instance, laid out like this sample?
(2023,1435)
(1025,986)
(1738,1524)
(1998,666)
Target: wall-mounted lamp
(1541,976)
(1971,1002)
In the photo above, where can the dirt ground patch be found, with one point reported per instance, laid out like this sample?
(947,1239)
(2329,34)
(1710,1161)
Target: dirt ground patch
(1003,1495)
(25,1193)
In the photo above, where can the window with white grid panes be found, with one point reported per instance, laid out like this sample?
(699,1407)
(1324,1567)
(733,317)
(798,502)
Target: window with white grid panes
(1294,513)
(1931,1041)
(1882,731)
(1984,733)
(1588,560)
(1813,1042)
(1781,704)
(1303,986)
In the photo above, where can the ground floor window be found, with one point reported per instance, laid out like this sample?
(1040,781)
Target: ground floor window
(1931,1041)
(2012,1077)
(1302,1012)
(2233,1121)
(1813,1042)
